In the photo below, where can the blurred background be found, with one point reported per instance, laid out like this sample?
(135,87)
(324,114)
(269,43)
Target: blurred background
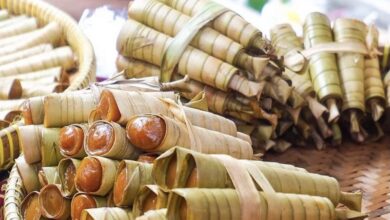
(102,19)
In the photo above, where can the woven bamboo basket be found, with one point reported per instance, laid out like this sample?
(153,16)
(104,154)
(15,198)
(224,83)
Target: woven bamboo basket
(356,167)
(45,13)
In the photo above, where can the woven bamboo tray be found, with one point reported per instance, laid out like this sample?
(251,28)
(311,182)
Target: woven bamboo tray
(46,13)
(356,167)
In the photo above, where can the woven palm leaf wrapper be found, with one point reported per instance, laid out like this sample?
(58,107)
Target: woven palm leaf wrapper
(108,170)
(52,202)
(141,103)
(135,68)
(351,67)
(48,175)
(217,101)
(32,110)
(373,85)
(10,147)
(168,165)
(81,201)
(134,41)
(68,108)
(151,13)
(66,171)
(107,214)
(159,214)
(323,66)
(130,178)
(182,133)
(191,203)
(28,174)
(229,23)
(30,207)
(40,144)
(150,197)
(118,148)
(286,42)
(193,171)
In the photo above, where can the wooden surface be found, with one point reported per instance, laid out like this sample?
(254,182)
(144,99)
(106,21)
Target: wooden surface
(76,7)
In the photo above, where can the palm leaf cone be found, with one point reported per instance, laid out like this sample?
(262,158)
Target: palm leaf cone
(192,170)
(81,201)
(351,66)
(229,23)
(323,66)
(130,178)
(159,214)
(201,203)
(151,197)
(134,41)
(374,91)
(152,13)
(48,175)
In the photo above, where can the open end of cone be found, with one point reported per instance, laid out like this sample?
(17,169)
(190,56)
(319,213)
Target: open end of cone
(16,90)
(51,202)
(146,132)
(192,179)
(171,172)
(12,115)
(81,202)
(31,208)
(334,113)
(107,107)
(120,185)
(26,112)
(89,175)
(150,202)
(101,138)
(71,140)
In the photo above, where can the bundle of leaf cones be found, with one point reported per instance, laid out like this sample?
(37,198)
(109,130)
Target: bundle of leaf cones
(231,69)
(347,81)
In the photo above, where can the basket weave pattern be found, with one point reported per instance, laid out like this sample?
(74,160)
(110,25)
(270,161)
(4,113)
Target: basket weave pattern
(356,167)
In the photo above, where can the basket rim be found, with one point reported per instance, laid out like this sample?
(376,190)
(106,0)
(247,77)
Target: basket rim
(13,189)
